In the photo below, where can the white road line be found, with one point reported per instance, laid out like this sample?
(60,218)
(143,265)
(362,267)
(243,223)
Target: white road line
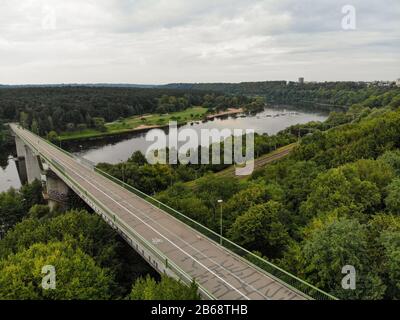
(126,209)
(194,248)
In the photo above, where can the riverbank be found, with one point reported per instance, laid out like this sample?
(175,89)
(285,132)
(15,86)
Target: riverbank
(146,122)
(138,124)
(228,112)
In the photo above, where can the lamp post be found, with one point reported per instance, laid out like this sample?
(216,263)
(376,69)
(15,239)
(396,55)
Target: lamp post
(220,238)
(122,169)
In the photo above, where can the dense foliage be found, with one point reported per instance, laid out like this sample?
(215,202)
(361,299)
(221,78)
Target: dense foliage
(328,94)
(91,261)
(166,289)
(15,204)
(333,202)
(58,109)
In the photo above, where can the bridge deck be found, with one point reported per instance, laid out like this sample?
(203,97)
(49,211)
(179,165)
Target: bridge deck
(215,268)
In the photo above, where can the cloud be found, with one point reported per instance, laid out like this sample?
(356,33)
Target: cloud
(160,41)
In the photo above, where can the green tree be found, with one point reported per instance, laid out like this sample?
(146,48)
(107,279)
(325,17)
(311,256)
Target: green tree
(261,229)
(39,211)
(390,240)
(138,158)
(35,126)
(352,189)
(11,210)
(393,199)
(77,275)
(166,289)
(99,124)
(53,137)
(31,194)
(392,158)
(337,244)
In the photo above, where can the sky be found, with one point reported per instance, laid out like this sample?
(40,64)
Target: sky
(168,41)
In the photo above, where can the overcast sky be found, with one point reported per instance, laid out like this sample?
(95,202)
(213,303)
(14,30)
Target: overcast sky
(163,41)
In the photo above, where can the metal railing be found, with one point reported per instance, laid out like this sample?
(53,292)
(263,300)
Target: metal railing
(280,275)
(179,272)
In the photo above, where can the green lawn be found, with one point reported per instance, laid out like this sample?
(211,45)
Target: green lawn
(130,124)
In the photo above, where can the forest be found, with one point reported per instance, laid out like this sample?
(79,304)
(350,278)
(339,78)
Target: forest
(72,108)
(331,95)
(334,201)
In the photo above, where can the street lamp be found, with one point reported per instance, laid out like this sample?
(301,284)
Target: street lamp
(220,238)
(122,169)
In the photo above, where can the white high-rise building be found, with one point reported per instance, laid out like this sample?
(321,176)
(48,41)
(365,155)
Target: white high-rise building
(398,82)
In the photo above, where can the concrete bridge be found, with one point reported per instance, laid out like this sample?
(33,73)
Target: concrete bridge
(156,231)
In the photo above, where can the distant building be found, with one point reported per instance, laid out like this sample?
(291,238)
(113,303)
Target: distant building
(301,80)
(398,82)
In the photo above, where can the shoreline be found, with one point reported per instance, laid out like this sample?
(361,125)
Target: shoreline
(144,128)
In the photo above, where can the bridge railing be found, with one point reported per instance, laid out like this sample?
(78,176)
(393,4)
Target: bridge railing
(128,230)
(280,275)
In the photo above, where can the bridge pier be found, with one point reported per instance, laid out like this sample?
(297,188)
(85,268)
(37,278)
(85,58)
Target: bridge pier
(29,164)
(21,168)
(30,168)
(33,165)
(56,191)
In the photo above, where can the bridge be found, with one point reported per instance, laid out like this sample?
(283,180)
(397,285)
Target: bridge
(169,241)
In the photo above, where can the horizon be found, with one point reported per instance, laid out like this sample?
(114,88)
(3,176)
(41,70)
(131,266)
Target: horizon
(77,84)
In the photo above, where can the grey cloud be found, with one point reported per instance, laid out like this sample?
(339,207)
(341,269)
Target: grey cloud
(157,41)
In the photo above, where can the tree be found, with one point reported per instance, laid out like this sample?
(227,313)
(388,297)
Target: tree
(35,126)
(260,229)
(341,242)
(39,211)
(91,234)
(393,199)
(99,124)
(392,158)
(138,158)
(351,189)
(11,210)
(390,240)
(254,194)
(32,194)
(81,127)
(53,137)
(167,289)
(77,275)
(24,119)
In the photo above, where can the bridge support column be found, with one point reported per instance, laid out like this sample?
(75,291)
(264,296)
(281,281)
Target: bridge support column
(33,165)
(56,191)
(20,147)
(20,161)
(21,169)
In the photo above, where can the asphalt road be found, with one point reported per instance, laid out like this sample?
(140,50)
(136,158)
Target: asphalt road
(215,268)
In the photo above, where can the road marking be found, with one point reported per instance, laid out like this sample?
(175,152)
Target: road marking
(91,173)
(126,209)
(156,241)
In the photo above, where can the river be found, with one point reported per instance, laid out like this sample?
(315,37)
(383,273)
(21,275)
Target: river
(120,148)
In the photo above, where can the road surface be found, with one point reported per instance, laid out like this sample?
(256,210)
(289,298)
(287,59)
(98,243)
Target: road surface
(215,268)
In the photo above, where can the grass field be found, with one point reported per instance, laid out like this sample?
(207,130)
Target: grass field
(138,123)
